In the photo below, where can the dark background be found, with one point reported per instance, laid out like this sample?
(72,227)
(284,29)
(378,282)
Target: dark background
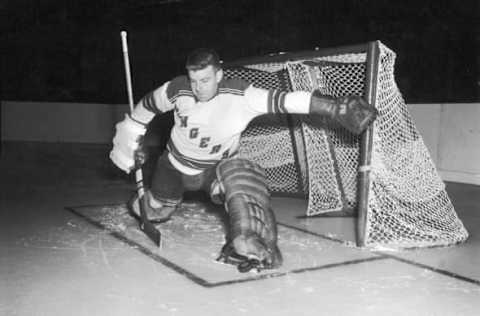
(71,51)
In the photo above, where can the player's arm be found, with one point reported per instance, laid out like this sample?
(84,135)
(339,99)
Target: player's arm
(127,152)
(352,112)
(153,103)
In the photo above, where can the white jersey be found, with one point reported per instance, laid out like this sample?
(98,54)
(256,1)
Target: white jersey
(206,132)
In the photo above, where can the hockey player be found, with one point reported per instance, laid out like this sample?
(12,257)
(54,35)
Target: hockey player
(210,113)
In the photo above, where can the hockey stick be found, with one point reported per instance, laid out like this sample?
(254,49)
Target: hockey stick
(145,225)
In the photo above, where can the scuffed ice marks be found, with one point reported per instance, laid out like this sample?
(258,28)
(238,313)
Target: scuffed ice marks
(115,218)
(194,237)
(193,226)
(197,233)
(193,221)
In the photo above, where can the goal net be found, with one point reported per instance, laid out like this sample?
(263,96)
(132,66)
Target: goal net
(385,176)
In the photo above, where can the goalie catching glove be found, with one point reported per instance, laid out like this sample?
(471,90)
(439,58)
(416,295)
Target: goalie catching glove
(128,152)
(352,112)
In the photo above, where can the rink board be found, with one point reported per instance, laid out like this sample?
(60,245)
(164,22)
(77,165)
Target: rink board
(192,240)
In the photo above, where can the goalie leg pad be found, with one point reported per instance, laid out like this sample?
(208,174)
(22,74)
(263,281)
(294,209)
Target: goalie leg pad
(236,176)
(252,232)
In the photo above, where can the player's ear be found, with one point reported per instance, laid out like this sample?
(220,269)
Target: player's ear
(219,75)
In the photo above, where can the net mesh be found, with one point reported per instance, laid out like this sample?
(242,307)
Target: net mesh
(407,206)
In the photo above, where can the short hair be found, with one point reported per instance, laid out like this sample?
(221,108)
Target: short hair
(202,58)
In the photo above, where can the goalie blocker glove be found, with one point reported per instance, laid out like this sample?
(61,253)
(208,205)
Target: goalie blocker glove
(128,151)
(352,112)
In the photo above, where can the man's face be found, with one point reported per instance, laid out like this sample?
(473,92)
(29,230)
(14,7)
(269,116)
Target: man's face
(204,82)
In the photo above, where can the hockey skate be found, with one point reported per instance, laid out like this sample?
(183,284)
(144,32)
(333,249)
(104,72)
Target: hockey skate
(157,212)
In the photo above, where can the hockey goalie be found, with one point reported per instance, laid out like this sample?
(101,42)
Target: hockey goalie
(210,113)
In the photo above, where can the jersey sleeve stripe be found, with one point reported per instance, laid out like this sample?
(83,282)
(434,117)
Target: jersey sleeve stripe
(276,101)
(276,97)
(270,101)
(281,102)
(149,103)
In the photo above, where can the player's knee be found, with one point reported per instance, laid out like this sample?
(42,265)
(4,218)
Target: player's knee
(241,176)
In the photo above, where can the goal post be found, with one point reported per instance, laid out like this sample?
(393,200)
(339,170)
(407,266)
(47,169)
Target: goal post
(365,146)
(385,177)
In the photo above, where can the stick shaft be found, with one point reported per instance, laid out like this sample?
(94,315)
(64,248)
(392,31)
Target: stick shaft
(128,80)
(145,224)
(126,62)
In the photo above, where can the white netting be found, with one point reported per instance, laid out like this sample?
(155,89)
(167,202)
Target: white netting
(408,205)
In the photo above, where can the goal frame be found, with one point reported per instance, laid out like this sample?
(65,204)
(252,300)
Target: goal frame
(372,52)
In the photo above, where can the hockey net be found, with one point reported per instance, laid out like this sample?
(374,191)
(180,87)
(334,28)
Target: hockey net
(407,205)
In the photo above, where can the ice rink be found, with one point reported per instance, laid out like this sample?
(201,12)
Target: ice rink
(68,248)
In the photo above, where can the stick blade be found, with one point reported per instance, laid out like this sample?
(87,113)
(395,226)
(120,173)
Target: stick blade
(151,231)
(145,225)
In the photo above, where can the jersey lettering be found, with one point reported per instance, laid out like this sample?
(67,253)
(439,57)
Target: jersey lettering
(215,149)
(183,121)
(204,142)
(194,132)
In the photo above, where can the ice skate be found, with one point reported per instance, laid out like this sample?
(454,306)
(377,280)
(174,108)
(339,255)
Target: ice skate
(157,212)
